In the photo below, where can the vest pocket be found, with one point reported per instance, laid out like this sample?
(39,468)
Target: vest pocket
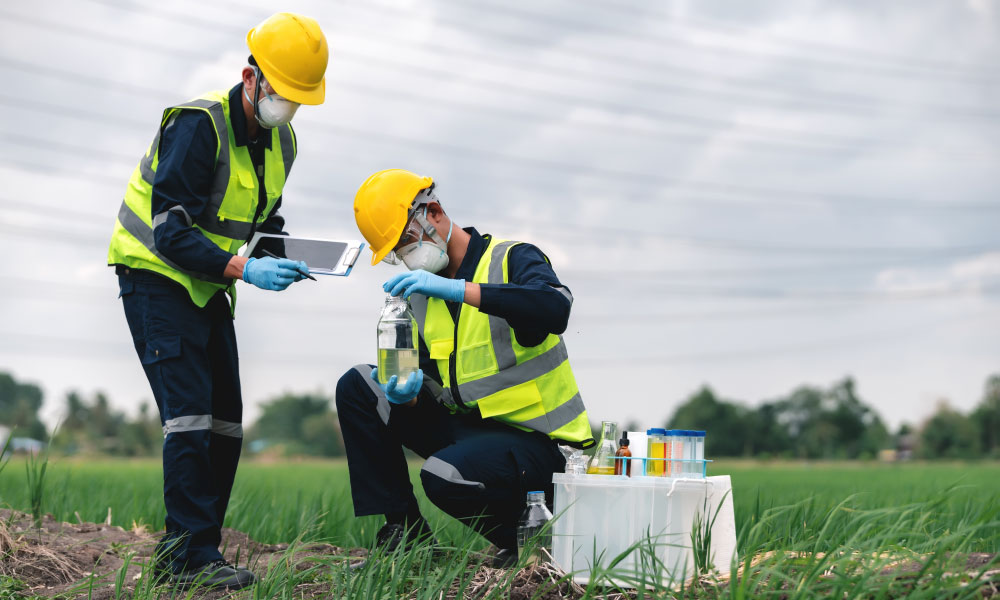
(515,404)
(241,197)
(476,360)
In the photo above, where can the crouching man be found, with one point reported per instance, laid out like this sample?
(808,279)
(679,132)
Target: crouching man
(495,392)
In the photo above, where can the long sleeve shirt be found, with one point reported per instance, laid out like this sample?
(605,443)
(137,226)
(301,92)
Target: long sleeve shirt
(534,302)
(184,178)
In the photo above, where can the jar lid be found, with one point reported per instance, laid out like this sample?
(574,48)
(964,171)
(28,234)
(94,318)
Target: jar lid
(656,431)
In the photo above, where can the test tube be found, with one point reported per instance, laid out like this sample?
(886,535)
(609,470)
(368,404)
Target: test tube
(695,454)
(655,443)
(674,450)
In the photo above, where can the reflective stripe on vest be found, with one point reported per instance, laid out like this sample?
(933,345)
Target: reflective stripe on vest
(142,232)
(509,373)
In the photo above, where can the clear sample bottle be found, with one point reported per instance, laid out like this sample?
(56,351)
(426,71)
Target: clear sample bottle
(532,534)
(622,463)
(397,341)
(656,450)
(603,462)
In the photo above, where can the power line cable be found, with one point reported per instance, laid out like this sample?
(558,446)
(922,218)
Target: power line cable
(464,153)
(766,85)
(535,17)
(686,119)
(553,96)
(798,43)
(854,104)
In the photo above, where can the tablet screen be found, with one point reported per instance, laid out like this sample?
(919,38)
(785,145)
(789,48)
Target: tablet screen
(318,254)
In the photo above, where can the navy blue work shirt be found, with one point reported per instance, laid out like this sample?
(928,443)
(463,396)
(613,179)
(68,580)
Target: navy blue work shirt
(184,178)
(533,302)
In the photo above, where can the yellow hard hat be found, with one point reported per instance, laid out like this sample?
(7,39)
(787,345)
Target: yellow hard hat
(291,51)
(382,207)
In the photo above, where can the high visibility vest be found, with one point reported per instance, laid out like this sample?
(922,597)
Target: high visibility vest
(228,219)
(531,388)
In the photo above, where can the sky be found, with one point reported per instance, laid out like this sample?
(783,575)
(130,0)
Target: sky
(750,196)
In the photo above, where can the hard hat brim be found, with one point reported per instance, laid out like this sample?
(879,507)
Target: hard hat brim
(311,97)
(378,255)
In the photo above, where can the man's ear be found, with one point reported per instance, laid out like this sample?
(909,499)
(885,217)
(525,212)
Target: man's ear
(249,79)
(434,212)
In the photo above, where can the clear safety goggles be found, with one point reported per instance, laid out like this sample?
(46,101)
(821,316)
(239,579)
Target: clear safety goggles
(272,96)
(413,232)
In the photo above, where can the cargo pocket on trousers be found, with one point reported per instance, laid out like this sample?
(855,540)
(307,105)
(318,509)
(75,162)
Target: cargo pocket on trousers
(161,348)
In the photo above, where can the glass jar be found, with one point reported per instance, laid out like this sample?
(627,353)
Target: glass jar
(397,341)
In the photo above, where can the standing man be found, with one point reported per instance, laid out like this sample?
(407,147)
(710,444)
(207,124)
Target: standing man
(212,177)
(494,394)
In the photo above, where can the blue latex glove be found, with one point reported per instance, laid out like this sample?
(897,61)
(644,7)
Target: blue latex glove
(404,393)
(273,273)
(428,284)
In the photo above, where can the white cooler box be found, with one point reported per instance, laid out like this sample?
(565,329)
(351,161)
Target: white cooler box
(602,515)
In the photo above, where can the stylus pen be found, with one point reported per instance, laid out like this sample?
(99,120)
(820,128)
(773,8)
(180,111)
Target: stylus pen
(273,255)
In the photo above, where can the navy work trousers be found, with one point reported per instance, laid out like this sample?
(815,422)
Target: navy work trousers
(477,470)
(190,358)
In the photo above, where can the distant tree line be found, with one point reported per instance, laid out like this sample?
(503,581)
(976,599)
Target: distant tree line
(809,423)
(834,423)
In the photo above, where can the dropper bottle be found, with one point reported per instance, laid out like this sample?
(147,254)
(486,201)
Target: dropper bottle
(625,452)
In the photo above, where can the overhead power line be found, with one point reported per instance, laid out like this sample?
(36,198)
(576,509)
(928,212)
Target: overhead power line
(686,119)
(767,194)
(627,179)
(705,242)
(852,103)
(797,44)
(704,46)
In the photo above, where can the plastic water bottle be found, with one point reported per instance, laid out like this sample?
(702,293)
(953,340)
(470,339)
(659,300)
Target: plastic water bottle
(534,519)
(397,341)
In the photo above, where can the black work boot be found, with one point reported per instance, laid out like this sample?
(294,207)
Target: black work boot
(504,558)
(391,535)
(216,574)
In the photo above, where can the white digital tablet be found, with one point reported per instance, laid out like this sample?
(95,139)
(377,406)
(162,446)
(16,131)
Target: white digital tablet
(324,257)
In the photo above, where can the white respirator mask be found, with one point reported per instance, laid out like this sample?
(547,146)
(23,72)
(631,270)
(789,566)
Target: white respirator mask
(272,110)
(430,256)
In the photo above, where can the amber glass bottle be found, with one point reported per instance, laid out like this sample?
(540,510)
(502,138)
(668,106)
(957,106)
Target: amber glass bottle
(623,450)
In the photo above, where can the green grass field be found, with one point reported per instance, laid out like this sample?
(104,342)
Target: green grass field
(821,508)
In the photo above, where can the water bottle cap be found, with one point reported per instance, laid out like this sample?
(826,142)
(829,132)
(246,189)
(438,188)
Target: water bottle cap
(536,496)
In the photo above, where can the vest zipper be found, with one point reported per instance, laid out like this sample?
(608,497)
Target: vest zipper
(452,360)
